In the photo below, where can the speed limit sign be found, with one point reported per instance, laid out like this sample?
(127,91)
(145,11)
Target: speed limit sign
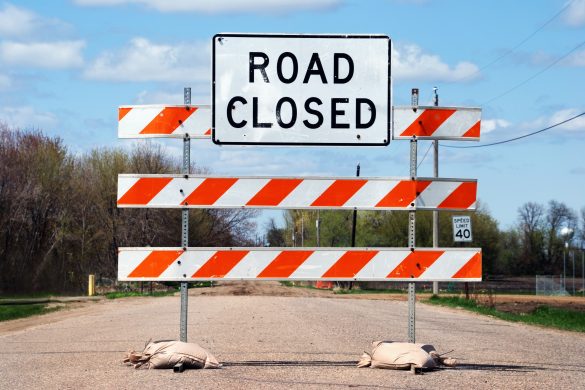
(462,228)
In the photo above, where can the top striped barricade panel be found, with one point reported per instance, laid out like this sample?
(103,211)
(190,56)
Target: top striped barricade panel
(437,123)
(151,121)
(195,191)
(361,264)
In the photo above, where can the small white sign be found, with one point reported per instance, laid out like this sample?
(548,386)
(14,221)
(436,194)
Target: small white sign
(462,228)
(271,89)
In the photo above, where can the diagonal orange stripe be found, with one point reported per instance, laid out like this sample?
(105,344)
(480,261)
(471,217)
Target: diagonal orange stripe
(402,195)
(421,185)
(349,264)
(473,131)
(415,264)
(168,120)
(338,193)
(208,132)
(274,192)
(471,269)
(209,191)
(428,122)
(462,198)
(155,264)
(285,264)
(144,190)
(122,111)
(220,264)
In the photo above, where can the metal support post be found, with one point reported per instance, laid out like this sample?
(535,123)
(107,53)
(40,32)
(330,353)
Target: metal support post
(572,256)
(436,213)
(354,220)
(185,226)
(565,266)
(318,226)
(411,244)
(412,230)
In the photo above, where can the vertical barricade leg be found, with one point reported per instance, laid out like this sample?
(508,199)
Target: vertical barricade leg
(185,228)
(411,244)
(411,313)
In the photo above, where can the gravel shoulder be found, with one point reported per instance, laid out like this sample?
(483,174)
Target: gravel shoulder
(270,341)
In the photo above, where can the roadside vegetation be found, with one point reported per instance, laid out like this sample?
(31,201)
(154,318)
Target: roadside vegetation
(58,216)
(12,312)
(543,315)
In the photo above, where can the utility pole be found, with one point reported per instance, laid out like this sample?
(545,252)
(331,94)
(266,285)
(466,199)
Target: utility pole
(436,174)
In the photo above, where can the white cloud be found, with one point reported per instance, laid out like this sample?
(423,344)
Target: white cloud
(577,59)
(410,63)
(143,60)
(219,6)
(53,55)
(18,22)
(489,125)
(575,14)
(577,125)
(27,117)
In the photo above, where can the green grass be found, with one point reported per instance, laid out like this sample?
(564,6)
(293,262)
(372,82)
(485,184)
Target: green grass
(12,312)
(546,316)
(126,294)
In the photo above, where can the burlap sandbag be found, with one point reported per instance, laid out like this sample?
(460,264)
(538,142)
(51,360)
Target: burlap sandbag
(167,353)
(388,354)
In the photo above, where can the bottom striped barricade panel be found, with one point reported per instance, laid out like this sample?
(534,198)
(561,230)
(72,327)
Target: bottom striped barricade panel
(368,264)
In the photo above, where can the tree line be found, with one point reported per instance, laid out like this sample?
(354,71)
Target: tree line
(58,216)
(534,245)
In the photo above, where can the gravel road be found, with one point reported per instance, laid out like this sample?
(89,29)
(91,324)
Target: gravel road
(283,342)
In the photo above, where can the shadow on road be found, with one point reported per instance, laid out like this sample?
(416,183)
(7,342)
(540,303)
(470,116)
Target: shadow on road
(286,363)
(499,367)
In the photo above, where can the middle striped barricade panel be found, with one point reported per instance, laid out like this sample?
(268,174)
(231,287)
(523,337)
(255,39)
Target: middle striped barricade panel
(194,191)
(360,264)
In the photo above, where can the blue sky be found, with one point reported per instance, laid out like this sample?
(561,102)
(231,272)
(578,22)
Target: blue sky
(66,65)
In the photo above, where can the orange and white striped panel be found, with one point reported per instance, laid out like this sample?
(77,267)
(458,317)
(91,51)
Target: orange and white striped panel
(371,264)
(440,123)
(193,191)
(164,121)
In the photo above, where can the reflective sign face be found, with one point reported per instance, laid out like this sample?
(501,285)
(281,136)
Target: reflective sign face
(301,89)
(462,228)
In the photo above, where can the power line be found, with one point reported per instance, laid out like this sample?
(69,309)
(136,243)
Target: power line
(517,138)
(528,37)
(423,159)
(510,51)
(536,74)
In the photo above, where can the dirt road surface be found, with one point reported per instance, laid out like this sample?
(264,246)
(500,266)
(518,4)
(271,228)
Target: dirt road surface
(274,337)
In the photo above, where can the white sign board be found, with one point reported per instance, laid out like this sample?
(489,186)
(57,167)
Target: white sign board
(274,89)
(462,228)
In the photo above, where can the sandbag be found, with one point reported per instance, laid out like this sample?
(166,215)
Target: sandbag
(393,355)
(167,353)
